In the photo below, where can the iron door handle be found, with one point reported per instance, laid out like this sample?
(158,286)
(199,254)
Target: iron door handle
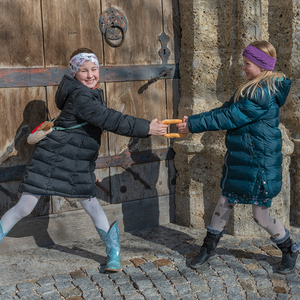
(113,25)
(106,35)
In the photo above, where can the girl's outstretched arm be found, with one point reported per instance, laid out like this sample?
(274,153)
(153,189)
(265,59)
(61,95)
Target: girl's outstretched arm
(183,127)
(157,127)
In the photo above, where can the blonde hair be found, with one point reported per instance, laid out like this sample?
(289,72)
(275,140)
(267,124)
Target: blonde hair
(269,77)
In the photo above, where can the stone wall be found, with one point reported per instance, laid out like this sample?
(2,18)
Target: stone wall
(214,34)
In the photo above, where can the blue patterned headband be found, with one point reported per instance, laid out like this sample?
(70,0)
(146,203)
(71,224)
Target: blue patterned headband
(77,61)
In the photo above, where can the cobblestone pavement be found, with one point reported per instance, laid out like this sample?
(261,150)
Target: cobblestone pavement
(154,268)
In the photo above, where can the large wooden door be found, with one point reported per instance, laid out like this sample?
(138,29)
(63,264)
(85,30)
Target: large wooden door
(136,177)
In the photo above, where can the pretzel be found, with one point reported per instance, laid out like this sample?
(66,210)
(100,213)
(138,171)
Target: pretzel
(173,135)
(172,121)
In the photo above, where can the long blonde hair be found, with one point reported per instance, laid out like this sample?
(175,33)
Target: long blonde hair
(269,77)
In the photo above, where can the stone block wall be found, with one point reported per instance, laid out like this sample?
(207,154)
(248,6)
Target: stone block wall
(214,34)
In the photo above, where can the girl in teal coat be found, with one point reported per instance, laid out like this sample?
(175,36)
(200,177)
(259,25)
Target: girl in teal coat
(252,172)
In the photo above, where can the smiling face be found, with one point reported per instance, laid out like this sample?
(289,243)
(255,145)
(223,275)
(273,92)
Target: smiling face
(88,74)
(251,69)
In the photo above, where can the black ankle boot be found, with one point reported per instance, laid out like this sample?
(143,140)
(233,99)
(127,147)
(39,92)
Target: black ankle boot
(290,254)
(208,249)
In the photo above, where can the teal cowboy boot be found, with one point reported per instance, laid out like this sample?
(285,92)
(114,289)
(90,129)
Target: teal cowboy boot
(112,242)
(2,234)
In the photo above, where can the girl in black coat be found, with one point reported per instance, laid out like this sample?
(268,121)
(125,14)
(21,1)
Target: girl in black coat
(63,163)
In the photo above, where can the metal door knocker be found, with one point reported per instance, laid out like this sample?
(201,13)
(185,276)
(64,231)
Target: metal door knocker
(113,25)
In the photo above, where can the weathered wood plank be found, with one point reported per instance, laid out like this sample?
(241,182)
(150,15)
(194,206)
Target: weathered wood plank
(53,111)
(12,173)
(21,36)
(65,228)
(173,98)
(137,72)
(103,177)
(150,104)
(19,107)
(69,25)
(25,77)
(42,208)
(104,150)
(171,176)
(5,201)
(141,43)
(126,188)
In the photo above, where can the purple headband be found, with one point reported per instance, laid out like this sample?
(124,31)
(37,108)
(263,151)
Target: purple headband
(260,58)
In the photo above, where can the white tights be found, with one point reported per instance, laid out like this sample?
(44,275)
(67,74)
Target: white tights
(28,202)
(261,216)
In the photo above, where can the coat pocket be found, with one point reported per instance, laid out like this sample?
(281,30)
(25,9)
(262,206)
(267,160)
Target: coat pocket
(250,145)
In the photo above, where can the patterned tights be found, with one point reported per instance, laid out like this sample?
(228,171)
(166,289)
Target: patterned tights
(261,216)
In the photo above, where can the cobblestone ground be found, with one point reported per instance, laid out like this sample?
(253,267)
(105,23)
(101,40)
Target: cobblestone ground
(154,267)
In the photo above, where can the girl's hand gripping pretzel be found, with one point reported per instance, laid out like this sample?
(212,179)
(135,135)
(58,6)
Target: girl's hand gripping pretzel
(173,135)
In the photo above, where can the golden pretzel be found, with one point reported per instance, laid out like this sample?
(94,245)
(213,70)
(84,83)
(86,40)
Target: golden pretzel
(173,135)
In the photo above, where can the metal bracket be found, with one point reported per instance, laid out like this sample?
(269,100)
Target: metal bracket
(71,202)
(113,25)
(10,149)
(137,177)
(145,86)
(106,191)
(164,52)
(27,77)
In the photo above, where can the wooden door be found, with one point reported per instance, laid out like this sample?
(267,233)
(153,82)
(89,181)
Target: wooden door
(136,177)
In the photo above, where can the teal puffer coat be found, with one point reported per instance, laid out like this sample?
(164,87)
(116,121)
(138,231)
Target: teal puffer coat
(253,139)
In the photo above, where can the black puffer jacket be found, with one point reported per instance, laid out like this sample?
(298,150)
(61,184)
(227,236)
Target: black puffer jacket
(63,162)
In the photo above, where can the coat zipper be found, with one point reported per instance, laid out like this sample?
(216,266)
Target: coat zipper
(226,173)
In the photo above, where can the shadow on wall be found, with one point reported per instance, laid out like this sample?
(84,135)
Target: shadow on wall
(23,150)
(33,114)
(138,217)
